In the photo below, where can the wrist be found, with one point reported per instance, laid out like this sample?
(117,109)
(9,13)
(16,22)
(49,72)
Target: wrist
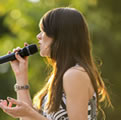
(21,80)
(18,87)
(34,115)
(21,72)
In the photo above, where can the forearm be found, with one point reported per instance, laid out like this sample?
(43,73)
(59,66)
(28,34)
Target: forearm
(23,95)
(36,116)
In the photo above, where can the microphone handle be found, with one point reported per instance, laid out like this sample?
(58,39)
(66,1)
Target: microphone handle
(11,57)
(7,58)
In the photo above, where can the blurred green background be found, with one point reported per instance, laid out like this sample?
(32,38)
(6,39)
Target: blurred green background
(19,23)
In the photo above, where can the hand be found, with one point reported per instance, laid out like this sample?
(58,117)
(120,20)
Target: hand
(20,64)
(21,110)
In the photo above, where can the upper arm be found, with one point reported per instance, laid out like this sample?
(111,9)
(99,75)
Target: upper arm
(75,84)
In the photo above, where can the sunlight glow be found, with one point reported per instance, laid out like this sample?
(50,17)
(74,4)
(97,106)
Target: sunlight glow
(34,1)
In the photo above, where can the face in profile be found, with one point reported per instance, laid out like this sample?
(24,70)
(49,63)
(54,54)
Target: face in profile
(45,44)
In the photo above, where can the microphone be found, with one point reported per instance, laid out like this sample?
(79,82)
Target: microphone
(26,51)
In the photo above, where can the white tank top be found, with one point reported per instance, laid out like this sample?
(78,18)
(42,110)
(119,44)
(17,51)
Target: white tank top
(61,114)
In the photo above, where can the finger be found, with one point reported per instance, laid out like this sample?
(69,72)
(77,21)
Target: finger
(14,50)
(4,102)
(10,104)
(1,100)
(14,101)
(19,58)
(26,57)
(9,52)
(26,44)
(9,110)
(17,49)
(2,106)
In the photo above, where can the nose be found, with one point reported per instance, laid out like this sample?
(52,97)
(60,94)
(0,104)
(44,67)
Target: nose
(38,36)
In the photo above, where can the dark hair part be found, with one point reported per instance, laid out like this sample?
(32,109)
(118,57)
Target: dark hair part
(71,45)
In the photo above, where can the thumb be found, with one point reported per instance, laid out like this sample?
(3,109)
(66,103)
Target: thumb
(14,101)
(19,58)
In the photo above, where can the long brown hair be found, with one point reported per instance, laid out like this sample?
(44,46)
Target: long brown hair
(71,45)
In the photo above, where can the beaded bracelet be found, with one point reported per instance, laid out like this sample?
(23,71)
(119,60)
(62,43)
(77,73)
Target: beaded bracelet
(18,87)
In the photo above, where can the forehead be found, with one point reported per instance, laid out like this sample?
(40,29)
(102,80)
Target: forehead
(41,25)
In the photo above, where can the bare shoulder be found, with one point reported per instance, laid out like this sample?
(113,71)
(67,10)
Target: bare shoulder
(76,79)
(76,84)
(75,74)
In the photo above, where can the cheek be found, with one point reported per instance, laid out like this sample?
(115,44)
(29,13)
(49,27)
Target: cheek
(47,43)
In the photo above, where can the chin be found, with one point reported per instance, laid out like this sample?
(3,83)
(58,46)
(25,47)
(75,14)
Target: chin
(43,55)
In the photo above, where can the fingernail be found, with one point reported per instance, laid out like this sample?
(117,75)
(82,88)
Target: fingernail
(9,98)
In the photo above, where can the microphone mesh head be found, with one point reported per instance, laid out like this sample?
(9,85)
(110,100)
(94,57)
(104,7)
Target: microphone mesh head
(33,48)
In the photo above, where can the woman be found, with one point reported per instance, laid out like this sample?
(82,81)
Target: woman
(75,87)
